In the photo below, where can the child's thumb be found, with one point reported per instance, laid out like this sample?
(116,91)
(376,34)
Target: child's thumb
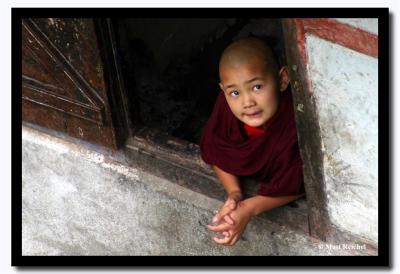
(216,218)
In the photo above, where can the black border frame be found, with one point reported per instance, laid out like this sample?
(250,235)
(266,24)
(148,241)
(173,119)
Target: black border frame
(384,167)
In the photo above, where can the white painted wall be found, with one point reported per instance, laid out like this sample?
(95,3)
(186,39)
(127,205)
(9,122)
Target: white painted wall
(345,86)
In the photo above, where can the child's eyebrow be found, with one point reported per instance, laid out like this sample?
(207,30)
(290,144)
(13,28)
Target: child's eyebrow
(246,82)
(231,86)
(253,79)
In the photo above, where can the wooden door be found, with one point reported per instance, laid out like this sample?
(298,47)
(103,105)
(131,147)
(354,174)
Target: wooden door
(63,81)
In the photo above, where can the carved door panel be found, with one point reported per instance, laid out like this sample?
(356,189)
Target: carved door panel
(63,83)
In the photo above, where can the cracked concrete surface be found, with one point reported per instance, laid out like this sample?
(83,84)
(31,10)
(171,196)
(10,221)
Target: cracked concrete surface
(77,203)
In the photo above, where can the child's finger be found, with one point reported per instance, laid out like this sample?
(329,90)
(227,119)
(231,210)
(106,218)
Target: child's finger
(220,215)
(233,240)
(219,228)
(231,203)
(230,200)
(217,218)
(226,233)
(221,241)
(229,219)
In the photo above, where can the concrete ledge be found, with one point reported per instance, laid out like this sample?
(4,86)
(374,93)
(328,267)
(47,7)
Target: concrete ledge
(179,161)
(77,201)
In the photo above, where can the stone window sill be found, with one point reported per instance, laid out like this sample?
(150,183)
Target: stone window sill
(179,161)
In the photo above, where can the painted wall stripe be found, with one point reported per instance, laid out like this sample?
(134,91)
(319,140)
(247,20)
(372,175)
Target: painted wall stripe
(343,34)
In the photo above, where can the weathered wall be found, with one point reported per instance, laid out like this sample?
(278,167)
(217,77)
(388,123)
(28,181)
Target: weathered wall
(76,202)
(344,84)
(367,24)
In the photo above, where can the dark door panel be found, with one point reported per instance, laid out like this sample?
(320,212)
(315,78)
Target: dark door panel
(63,85)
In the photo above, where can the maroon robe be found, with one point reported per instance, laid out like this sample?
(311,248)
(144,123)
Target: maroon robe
(272,158)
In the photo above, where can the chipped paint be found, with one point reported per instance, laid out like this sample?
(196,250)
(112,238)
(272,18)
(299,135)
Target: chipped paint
(80,132)
(300,107)
(367,24)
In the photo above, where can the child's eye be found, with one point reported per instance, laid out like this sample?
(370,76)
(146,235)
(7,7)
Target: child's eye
(234,93)
(257,87)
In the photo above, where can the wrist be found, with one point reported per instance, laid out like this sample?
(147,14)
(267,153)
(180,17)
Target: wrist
(249,205)
(236,195)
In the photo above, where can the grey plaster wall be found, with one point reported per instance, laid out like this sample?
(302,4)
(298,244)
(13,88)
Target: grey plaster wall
(76,202)
(344,84)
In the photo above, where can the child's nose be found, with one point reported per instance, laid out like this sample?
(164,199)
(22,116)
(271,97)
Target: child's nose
(248,101)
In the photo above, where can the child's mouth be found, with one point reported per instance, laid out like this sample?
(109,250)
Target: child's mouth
(254,114)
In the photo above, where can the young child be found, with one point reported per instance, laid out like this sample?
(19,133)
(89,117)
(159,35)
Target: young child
(252,132)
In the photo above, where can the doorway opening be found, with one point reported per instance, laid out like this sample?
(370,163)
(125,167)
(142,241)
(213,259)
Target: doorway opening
(170,67)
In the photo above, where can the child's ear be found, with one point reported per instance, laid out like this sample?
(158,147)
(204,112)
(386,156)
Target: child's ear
(284,78)
(221,87)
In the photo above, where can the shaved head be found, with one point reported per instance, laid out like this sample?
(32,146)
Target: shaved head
(245,51)
(251,80)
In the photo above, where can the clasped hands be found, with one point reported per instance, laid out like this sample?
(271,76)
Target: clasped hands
(231,219)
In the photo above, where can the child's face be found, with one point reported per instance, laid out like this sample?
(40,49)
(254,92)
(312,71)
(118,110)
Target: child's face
(252,90)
